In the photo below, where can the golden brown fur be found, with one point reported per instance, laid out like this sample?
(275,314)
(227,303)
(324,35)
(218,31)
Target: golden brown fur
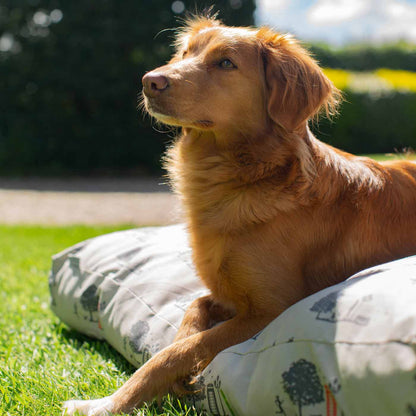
(273,214)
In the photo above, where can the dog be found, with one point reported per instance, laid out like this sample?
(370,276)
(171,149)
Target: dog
(273,213)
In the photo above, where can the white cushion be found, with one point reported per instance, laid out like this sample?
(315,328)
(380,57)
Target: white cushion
(349,349)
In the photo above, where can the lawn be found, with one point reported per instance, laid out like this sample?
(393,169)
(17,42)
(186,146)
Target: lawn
(42,362)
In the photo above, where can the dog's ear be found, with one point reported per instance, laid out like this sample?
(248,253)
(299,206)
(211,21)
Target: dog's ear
(297,89)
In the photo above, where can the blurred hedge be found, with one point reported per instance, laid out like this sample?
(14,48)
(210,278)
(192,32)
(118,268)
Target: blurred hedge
(372,123)
(68,90)
(399,55)
(374,118)
(68,100)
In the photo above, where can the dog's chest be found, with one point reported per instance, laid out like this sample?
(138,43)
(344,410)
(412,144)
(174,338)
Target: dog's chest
(206,182)
(211,254)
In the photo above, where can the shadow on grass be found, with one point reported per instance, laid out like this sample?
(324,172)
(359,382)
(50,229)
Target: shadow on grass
(168,405)
(103,348)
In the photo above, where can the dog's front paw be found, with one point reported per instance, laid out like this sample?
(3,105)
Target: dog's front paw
(98,407)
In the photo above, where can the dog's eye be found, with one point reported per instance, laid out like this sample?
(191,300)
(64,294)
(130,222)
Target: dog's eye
(226,64)
(184,53)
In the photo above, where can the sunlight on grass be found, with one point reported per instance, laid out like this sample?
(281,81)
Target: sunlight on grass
(42,362)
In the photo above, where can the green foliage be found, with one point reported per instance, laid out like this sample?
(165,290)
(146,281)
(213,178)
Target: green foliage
(366,57)
(69,89)
(372,123)
(69,86)
(42,362)
(378,114)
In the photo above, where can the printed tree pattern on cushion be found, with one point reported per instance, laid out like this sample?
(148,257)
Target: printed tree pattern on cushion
(89,300)
(302,384)
(209,397)
(411,410)
(411,407)
(135,342)
(279,405)
(215,398)
(326,309)
(88,304)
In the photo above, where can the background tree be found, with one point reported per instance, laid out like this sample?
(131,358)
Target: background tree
(365,57)
(70,73)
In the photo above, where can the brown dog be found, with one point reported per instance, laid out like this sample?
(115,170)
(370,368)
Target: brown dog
(273,214)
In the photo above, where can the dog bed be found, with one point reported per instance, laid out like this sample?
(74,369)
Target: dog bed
(347,350)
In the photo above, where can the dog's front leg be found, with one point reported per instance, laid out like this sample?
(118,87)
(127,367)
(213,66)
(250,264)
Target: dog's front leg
(202,314)
(183,358)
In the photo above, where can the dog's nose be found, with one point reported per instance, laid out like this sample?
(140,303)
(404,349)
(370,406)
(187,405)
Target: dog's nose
(154,84)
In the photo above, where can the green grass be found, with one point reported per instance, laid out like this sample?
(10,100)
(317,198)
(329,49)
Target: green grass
(43,362)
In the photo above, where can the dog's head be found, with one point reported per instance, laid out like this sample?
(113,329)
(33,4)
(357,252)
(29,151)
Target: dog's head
(237,79)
